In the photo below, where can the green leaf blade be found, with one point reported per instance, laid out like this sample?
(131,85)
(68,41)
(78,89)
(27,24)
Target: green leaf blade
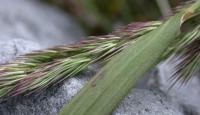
(101,95)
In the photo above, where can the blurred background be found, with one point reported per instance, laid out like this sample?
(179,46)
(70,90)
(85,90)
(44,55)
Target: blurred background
(101,16)
(55,22)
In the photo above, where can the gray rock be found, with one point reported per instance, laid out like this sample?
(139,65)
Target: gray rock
(32,20)
(45,103)
(15,47)
(186,95)
(147,102)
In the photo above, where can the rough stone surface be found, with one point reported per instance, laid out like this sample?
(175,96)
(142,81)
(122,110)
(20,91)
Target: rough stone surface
(15,47)
(147,102)
(46,103)
(186,96)
(32,20)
